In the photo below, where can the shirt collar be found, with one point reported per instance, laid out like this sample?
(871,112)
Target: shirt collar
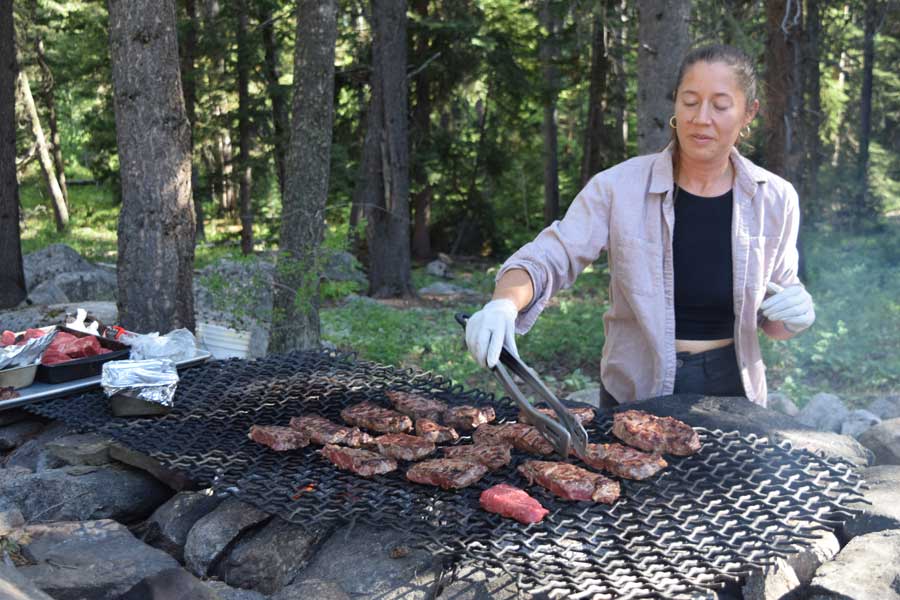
(747,175)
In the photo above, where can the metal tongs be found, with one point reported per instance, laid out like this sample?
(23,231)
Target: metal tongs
(567,433)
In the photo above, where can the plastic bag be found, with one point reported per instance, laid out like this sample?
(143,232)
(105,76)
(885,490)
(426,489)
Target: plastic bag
(176,345)
(151,380)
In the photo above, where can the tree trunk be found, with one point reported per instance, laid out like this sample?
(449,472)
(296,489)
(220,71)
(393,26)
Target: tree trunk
(617,11)
(663,40)
(48,88)
(549,52)
(780,122)
(386,160)
(595,133)
(246,173)
(156,222)
(60,209)
(421,122)
(866,210)
(277,96)
(811,206)
(295,323)
(188,51)
(12,276)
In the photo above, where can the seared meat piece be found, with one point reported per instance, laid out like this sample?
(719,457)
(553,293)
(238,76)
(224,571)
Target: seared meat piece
(321,431)
(431,431)
(524,437)
(361,462)
(8,393)
(662,435)
(447,473)
(277,437)
(404,447)
(571,482)
(377,418)
(416,406)
(467,418)
(510,501)
(488,435)
(582,414)
(493,456)
(624,461)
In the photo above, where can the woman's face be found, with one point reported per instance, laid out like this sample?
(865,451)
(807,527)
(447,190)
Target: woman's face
(710,111)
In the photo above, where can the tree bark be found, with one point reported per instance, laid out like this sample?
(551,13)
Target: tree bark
(277,95)
(295,323)
(549,53)
(386,156)
(246,172)
(617,11)
(48,96)
(156,222)
(12,275)
(781,124)
(60,209)
(421,122)
(663,40)
(595,132)
(188,53)
(866,210)
(810,205)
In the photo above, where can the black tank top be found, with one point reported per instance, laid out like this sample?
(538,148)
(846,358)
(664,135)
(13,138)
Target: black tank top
(704,299)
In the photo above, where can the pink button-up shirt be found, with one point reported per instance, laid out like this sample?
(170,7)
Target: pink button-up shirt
(629,212)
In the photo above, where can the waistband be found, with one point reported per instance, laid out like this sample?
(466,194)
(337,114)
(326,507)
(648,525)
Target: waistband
(685,358)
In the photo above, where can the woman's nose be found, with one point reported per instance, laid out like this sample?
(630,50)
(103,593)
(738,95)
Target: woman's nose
(703,114)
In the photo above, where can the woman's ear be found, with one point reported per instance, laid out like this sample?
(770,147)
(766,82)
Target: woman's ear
(751,112)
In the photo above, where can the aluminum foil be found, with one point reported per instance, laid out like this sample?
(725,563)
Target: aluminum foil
(26,354)
(152,380)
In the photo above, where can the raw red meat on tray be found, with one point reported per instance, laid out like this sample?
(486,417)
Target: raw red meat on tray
(509,501)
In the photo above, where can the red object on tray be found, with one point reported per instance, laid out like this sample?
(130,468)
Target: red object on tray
(510,501)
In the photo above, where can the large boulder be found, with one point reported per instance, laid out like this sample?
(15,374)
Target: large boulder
(15,586)
(858,422)
(168,527)
(81,449)
(880,508)
(824,412)
(55,314)
(474,582)
(884,441)
(35,454)
(866,568)
(13,436)
(887,407)
(58,268)
(339,265)
(170,584)
(214,532)
(45,264)
(96,284)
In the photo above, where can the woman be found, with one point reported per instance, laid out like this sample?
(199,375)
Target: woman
(695,234)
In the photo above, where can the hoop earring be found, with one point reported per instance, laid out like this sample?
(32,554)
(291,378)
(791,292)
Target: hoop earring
(742,134)
(672,122)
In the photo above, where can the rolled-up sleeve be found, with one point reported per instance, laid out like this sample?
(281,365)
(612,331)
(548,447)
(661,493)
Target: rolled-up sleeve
(562,250)
(788,258)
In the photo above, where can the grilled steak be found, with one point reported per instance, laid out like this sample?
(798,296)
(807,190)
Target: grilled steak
(377,418)
(571,482)
(662,435)
(277,437)
(510,501)
(624,461)
(403,446)
(431,431)
(321,431)
(493,456)
(467,418)
(8,393)
(582,414)
(361,462)
(447,473)
(524,437)
(416,406)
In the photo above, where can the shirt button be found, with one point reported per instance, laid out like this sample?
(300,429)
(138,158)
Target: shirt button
(679,363)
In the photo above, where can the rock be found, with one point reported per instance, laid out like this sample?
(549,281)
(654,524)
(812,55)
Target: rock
(824,412)
(94,284)
(884,441)
(313,588)
(268,559)
(212,533)
(589,396)
(358,558)
(473,582)
(48,293)
(783,404)
(226,592)
(357,298)
(13,415)
(34,454)
(439,268)
(94,559)
(176,480)
(447,291)
(867,567)
(882,511)
(859,421)
(55,314)
(886,408)
(168,527)
(45,264)
(81,492)
(772,583)
(170,584)
(815,552)
(338,265)
(10,518)
(15,586)
(13,436)
(445,258)
(81,449)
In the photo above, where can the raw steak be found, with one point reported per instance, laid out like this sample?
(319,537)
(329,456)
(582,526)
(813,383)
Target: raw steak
(403,446)
(321,431)
(361,462)
(661,435)
(510,501)
(8,338)
(493,456)
(431,431)
(582,414)
(524,437)
(377,418)
(624,461)
(571,482)
(467,418)
(447,473)
(277,437)
(416,406)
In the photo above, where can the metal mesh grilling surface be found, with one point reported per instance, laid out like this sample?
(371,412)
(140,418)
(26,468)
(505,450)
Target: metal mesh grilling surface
(706,520)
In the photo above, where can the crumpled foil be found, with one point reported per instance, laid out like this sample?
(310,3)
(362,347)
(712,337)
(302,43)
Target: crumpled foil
(152,380)
(26,354)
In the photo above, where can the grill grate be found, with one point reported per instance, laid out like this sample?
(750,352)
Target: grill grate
(706,521)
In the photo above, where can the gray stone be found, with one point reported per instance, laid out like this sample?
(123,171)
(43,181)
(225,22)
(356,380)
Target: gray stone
(15,586)
(167,528)
(13,436)
(589,396)
(81,493)
(226,592)
(887,407)
(10,518)
(783,404)
(93,284)
(13,415)
(881,511)
(884,441)
(55,314)
(213,533)
(815,552)
(772,583)
(45,264)
(866,569)
(98,560)
(472,582)
(441,289)
(350,298)
(339,265)
(268,559)
(34,455)
(176,480)
(824,412)
(313,588)
(170,584)
(48,293)
(439,268)
(81,449)
(859,421)
(369,562)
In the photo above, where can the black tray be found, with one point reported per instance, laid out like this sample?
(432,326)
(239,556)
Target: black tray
(78,368)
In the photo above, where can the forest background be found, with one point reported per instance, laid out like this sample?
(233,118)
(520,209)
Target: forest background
(505,108)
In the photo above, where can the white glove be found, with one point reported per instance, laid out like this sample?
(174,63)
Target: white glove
(489,329)
(792,305)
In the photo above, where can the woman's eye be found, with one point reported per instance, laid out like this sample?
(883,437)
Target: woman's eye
(690,104)
(722,107)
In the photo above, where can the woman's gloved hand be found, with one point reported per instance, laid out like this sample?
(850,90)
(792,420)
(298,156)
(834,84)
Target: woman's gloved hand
(792,305)
(488,330)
